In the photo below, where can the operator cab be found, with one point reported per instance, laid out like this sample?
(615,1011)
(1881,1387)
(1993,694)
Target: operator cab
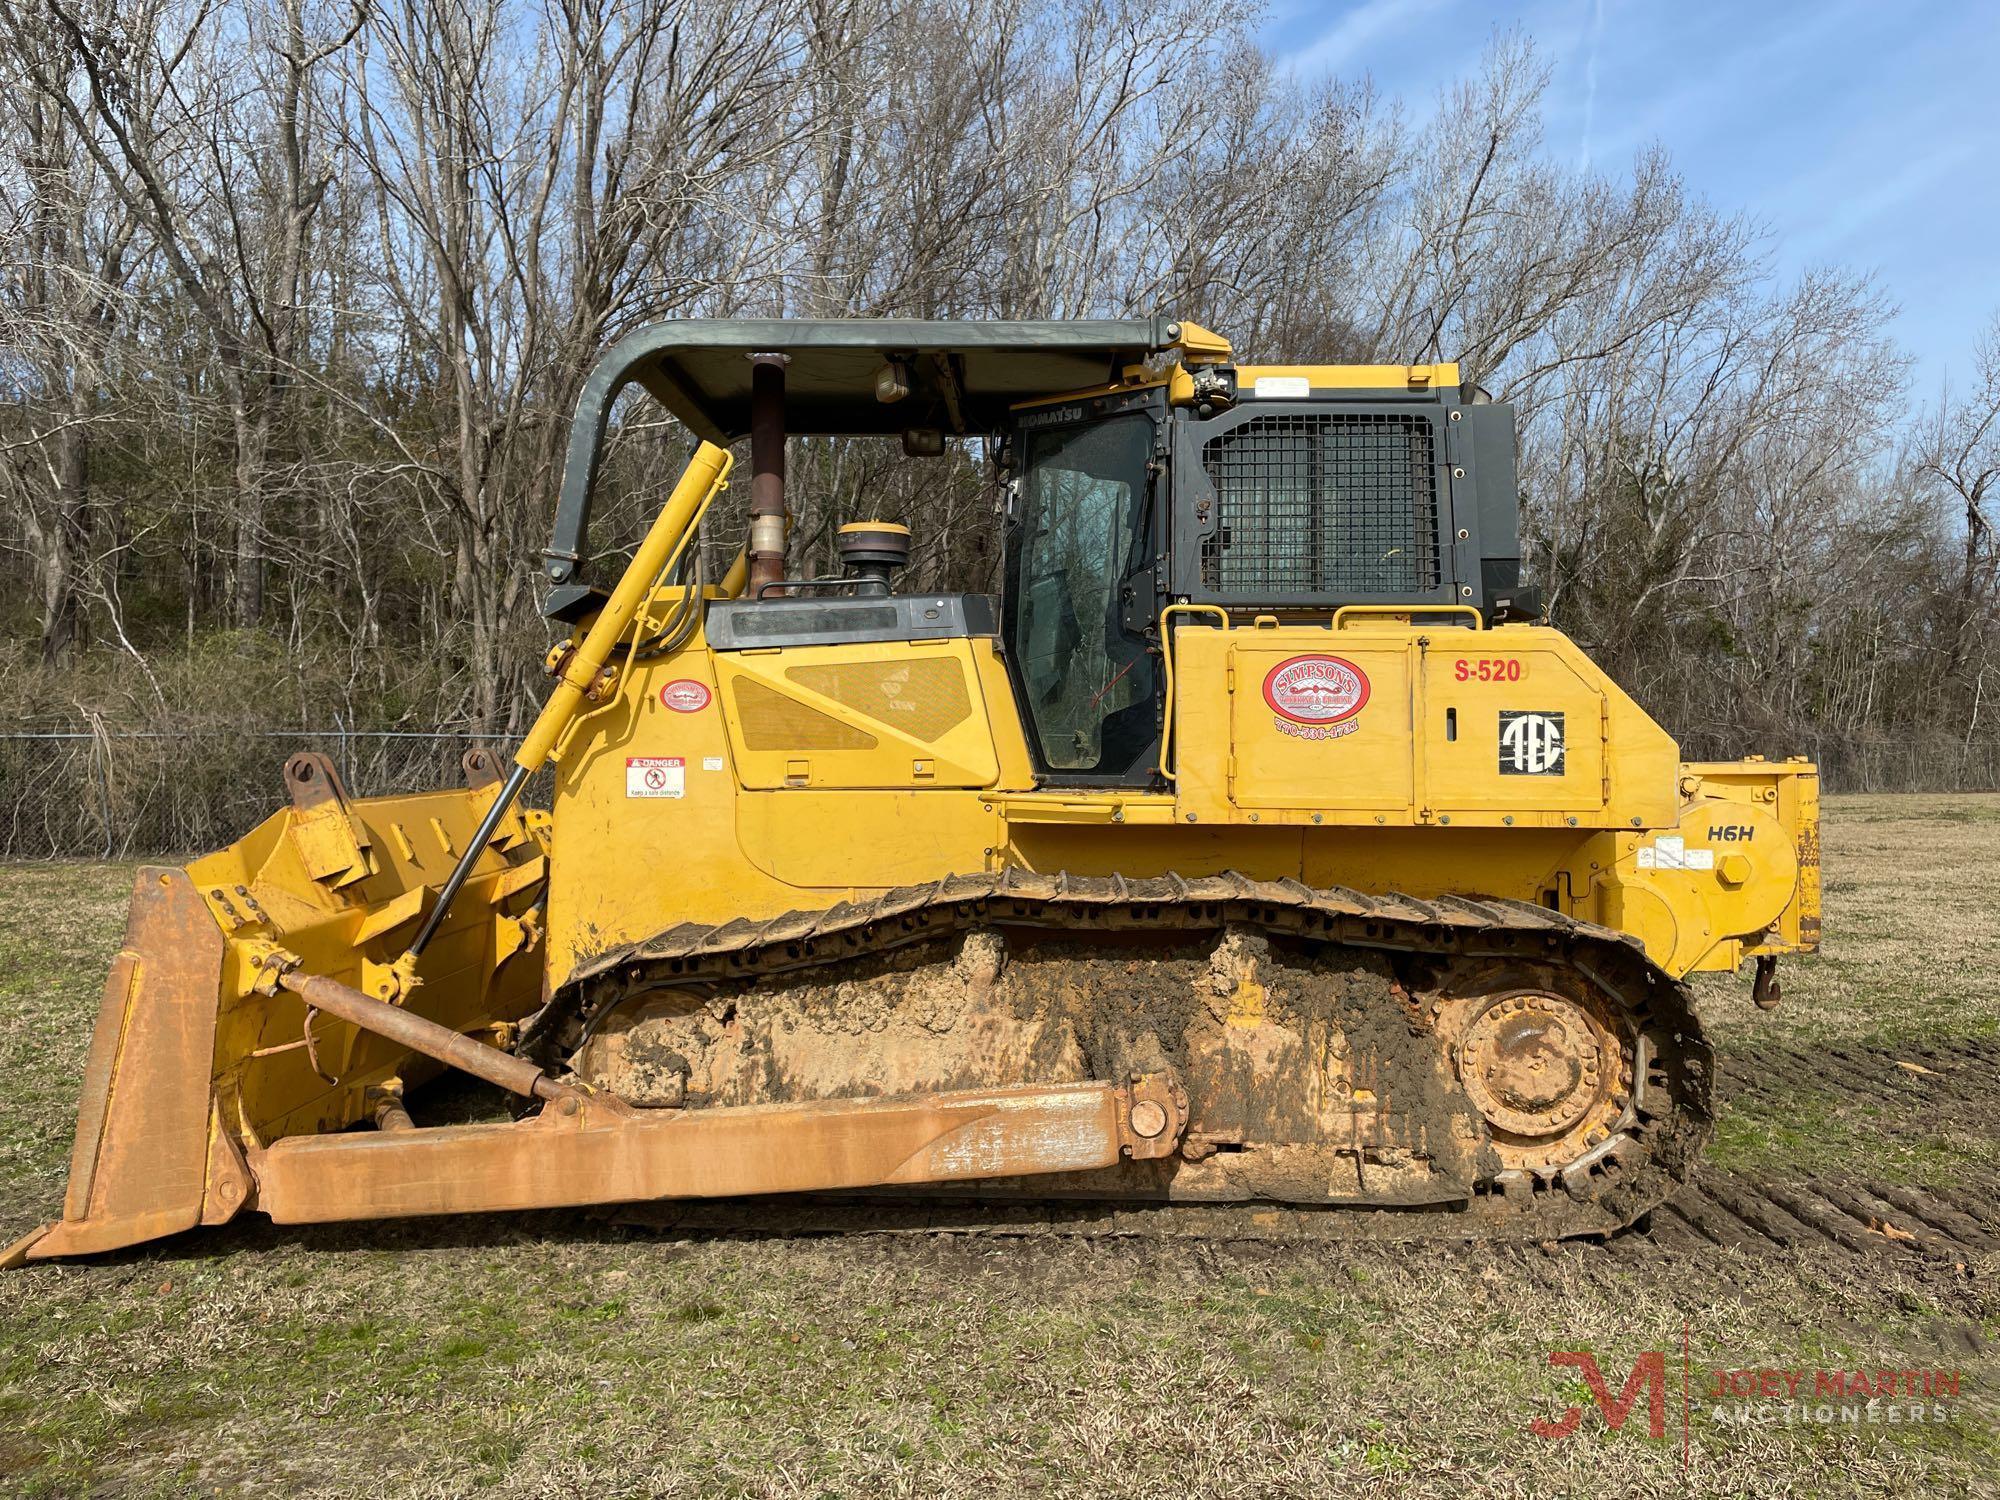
(1148,479)
(1278,492)
(1080,553)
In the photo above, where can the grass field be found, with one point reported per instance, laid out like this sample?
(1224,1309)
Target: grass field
(565,1354)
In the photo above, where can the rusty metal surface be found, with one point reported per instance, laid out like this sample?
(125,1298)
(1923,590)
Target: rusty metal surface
(199,1052)
(139,1166)
(413,1031)
(332,847)
(597,1150)
(1161,1134)
(767,471)
(481,768)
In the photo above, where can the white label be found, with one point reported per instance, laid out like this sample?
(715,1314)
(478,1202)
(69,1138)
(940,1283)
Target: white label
(655,776)
(1282,388)
(1670,852)
(711,763)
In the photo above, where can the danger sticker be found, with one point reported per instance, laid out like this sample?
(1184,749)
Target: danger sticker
(685,696)
(1315,697)
(655,776)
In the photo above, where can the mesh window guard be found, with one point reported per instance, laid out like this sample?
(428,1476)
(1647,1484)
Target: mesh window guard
(1339,503)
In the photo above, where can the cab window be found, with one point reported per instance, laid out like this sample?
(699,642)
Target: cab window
(1088,684)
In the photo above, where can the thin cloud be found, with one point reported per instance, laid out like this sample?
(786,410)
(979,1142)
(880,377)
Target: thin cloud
(1590,82)
(1349,40)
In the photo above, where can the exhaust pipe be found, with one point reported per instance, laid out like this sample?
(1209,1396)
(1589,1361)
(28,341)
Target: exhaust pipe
(767,470)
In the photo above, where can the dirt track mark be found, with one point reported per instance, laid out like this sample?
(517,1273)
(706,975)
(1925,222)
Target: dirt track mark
(1949,1085)
(1956,1076)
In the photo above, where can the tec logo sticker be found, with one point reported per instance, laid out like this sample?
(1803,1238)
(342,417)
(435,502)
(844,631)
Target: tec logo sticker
(1531,744)
(1315,697)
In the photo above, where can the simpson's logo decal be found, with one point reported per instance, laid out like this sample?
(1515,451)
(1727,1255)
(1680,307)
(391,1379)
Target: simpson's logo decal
(1531,744)
(685,696)
(1316,697)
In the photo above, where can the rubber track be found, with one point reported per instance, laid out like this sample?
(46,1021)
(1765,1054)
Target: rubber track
(1669,1134)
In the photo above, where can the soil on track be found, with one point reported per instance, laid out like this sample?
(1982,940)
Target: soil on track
(1919,1091)
(557,1353)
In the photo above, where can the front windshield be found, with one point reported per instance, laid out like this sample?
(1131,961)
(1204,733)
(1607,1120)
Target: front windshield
(1088,684)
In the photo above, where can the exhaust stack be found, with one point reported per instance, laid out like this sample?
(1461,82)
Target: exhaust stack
(767,471)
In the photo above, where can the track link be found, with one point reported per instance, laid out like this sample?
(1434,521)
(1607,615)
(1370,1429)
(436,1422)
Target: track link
(1646,1159)
(1720,1211)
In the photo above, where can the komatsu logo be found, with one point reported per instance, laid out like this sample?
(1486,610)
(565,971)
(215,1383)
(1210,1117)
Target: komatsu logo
(1531,744)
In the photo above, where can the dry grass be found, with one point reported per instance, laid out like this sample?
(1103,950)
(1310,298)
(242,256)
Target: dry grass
(556,1354)
(1912,929)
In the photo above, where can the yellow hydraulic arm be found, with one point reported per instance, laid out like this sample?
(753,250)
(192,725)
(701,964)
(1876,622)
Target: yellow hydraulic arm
(581,672)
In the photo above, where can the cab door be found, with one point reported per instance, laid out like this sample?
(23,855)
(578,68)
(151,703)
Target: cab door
(1080,598)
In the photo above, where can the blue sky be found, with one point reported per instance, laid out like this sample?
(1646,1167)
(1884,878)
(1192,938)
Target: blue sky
(1863,134)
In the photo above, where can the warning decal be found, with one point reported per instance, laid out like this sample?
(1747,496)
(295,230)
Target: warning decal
(655,776)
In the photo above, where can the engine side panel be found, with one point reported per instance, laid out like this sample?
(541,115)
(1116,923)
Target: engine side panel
(1494,763)
(1395,725)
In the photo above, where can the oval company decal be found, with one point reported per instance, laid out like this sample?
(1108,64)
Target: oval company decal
(1316,697)
(685,696)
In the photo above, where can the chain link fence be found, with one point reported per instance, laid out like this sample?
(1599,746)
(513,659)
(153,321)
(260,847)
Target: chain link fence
(105,793)
(1875,761)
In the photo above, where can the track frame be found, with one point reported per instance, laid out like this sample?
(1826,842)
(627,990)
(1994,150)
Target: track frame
(1648,1156)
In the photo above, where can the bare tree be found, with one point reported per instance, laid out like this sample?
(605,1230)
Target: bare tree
(1960,452)
(224,179)
(296,298)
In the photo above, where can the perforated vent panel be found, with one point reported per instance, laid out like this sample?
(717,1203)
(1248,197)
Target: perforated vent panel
(922,698)
(771,721)
(1335,503)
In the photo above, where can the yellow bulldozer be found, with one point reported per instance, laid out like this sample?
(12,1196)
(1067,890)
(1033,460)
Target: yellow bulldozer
(1259,848)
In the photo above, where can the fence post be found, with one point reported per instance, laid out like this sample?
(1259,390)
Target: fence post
(100,747)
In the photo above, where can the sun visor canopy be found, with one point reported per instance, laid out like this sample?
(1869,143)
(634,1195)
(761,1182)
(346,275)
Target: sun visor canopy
(850,377)
(958,377)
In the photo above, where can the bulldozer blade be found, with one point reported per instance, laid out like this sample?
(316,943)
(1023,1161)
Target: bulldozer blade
(253,1016)
(202,1059)
(139,1168)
